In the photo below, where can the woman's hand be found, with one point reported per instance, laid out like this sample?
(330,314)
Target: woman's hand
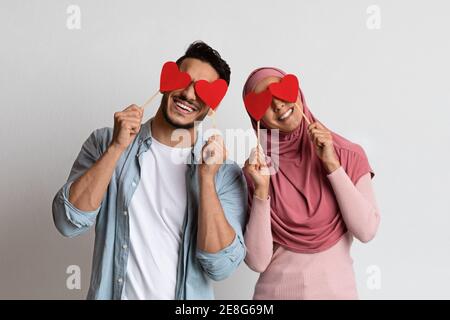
(323,142)
(256,168)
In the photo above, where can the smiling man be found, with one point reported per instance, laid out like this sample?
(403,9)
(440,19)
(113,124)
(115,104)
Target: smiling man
(164,228)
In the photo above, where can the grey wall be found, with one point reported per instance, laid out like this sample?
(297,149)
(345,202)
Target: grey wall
(386,89)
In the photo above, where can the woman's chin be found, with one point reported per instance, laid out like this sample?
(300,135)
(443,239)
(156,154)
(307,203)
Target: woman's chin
(289,126)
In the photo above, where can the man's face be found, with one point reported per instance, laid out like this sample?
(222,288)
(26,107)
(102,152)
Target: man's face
(181,108)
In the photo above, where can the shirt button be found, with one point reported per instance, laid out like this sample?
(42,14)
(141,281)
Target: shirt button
(120,280)
(125,246)
(125,213)
(133,184)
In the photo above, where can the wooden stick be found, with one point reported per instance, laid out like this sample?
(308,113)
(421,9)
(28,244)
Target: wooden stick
(258,134)
(304,116)
(146,103)
(214,119)
(307,120)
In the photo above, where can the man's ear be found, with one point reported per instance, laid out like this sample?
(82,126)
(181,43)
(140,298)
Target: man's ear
(210,112)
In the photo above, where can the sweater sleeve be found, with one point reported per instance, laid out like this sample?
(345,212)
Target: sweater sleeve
(357,204)
(258,235)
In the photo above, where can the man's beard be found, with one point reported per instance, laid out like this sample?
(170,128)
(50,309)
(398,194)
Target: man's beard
(165,106)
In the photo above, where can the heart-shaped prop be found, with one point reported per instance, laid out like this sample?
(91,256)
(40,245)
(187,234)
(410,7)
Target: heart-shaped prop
(172,78)
(286,89)
(211,93)
(257,103)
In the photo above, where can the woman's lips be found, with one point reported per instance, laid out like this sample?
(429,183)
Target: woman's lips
(286,114)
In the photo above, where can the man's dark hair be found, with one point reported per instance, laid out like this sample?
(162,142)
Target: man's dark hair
(201,51)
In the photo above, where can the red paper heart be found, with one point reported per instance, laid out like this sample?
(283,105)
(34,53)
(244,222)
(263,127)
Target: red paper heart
(286,89)
(257,103)
(172,78)
(211,93)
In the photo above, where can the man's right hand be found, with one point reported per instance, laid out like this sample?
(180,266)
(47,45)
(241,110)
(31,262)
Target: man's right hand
(86,192)
(127,124)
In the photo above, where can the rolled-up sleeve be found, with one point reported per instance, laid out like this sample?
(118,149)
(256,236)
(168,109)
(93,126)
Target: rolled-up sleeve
(232,195)
(69,220)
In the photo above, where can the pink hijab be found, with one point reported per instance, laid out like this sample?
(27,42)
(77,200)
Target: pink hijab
(304,213)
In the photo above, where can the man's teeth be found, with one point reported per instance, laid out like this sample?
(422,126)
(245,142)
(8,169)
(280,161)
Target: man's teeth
(286,114)
(184,107)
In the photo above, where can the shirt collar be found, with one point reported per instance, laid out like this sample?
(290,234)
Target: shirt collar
(145,139)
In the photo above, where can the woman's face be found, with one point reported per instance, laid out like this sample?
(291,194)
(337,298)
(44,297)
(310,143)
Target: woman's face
(282,115)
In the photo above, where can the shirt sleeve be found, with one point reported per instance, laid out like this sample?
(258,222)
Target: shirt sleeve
(232,196)
(69,220)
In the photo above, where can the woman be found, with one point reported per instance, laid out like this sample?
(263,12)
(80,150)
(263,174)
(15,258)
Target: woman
(302,219)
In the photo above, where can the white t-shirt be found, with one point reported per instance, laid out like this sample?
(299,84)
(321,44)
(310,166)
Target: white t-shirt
(156,215)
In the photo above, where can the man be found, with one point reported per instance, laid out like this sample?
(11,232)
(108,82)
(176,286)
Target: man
(163,228)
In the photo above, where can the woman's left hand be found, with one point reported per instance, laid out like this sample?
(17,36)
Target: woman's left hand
(323,141)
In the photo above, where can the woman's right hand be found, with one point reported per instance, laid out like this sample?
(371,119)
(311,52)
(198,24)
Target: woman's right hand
(256,167)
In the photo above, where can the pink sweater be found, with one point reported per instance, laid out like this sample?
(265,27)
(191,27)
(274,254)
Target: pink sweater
(324,275)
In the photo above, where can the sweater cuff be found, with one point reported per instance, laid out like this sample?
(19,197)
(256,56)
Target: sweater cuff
(261,206)
(339,178)
(339,172)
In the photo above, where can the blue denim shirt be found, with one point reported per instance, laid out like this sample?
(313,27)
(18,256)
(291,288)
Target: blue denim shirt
(196,268)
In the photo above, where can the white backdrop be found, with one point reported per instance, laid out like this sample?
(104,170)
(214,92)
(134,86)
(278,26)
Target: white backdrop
(385,88)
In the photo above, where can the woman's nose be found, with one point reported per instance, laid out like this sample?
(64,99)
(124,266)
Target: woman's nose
(277,104)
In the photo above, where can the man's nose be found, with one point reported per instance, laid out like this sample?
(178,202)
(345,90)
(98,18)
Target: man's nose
(189,92)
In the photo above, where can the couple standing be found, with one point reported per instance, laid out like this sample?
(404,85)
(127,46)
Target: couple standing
(165,229)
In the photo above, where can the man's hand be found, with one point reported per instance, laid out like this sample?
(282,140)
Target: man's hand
(214,154)
(127,124)
(87,192)
(214,232)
